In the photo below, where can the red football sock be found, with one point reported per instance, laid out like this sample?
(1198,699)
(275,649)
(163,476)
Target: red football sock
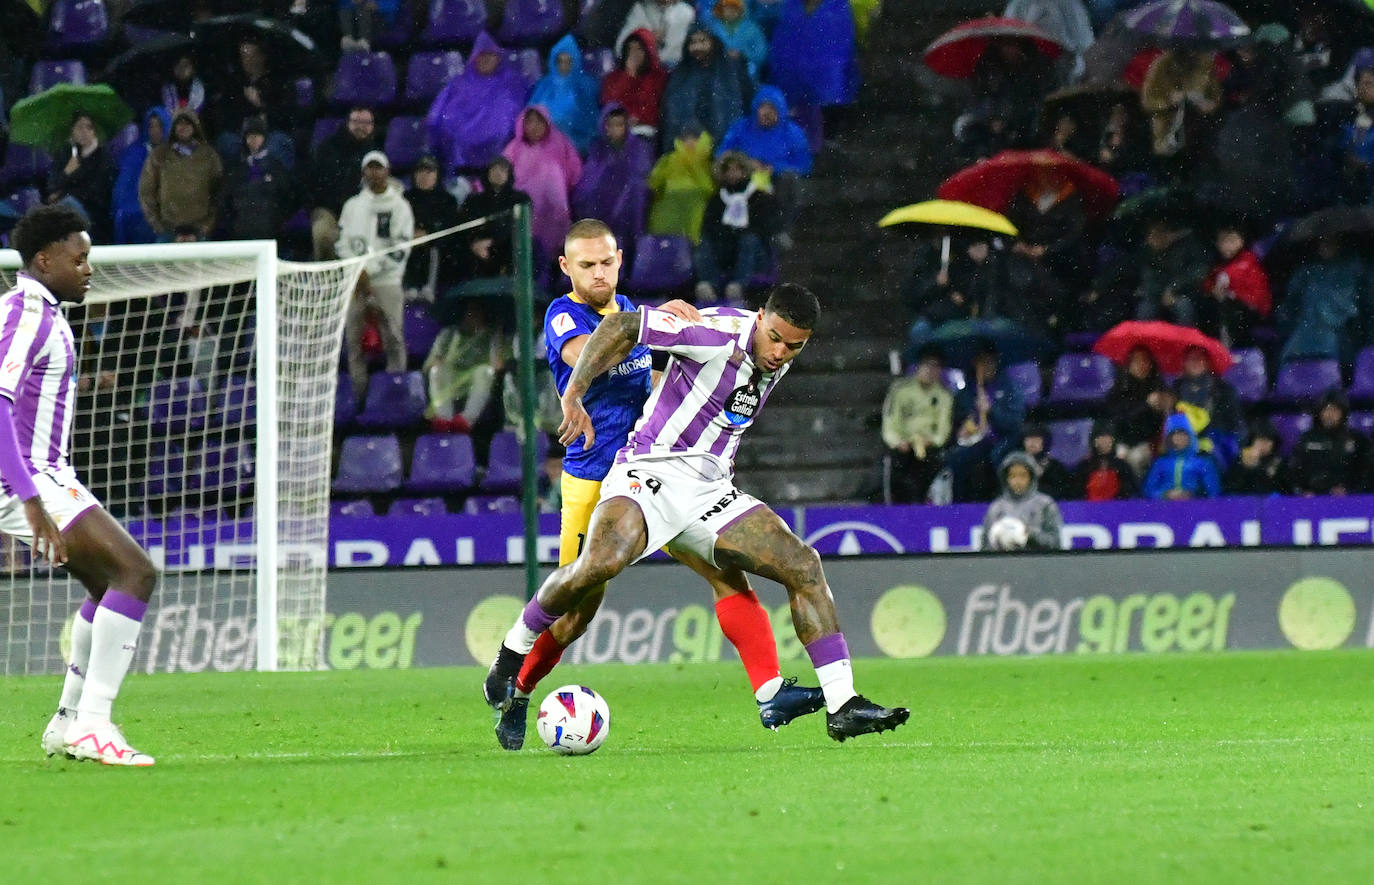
(541,659)
(745,623)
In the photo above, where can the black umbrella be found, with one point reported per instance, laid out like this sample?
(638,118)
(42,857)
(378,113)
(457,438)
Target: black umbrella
(291,52)
(138,73)
(21,25)
(1088,103)
(175,15)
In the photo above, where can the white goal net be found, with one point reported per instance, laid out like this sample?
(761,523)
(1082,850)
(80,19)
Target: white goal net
(208,374)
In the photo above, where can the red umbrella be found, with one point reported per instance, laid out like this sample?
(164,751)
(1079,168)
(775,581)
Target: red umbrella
(955,53)
(1165,341)
(991,183)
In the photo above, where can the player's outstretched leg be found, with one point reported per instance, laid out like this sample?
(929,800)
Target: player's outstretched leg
(54,736)
(761,543)
(101,552)
(744,621)
(616,536)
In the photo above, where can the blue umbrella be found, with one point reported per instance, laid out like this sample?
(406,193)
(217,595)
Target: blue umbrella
(961,340)
(1187,23)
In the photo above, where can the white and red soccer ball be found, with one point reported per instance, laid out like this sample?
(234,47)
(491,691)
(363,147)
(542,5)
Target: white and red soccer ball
(573,720)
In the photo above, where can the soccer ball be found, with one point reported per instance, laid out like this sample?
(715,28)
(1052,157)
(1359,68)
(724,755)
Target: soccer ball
(1007,533)
(574,720)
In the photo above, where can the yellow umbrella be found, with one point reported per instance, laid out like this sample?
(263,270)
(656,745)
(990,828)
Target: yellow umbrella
(949,213)
(952,213)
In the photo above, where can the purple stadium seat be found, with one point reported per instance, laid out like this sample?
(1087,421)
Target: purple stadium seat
(237,403)
(662,264)
(166,470)
(529,64)
(530,22)
(24,200)
(1070,440)
(812,122)
(226,468)
(1081,378)
(394,399)
(177,406)
(345,406)
(479,504)
(1027,378)
(443,463)
(369,464)
(77,24)
(324,128)
(407,138)
(1249,376)
(454,22)
(1362,422)
(1290,427)
(48,73)
(429,72)
(364,78)
(423,507)
(1362,385)
(1305,380)
(400,34)
(360,508)
(421,328)
(305,92)
(23,165)
(599,62)
(503,463)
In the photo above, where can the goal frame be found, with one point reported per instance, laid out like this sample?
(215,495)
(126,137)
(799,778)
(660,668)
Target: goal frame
(267,433)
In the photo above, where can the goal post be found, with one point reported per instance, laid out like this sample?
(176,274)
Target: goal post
(205,423)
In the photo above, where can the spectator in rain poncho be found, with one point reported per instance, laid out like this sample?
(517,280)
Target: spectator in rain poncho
(812,57)
(668,20)
(569,93)
(771,138)
(740,36)
(547,166)
(639,82)
(682,183)
(129,223)
(709,88)
(614,185)
(1327,305)
(473,116)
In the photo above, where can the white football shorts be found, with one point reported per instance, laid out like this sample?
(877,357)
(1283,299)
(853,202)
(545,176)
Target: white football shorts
(687,501)
(63,496)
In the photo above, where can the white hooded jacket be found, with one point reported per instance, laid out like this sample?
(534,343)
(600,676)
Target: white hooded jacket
(374,222)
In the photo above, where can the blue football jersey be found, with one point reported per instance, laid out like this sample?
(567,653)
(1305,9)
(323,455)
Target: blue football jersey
(614,400)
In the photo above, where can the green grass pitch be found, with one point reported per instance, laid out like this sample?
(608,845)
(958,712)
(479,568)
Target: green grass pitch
(1189,768)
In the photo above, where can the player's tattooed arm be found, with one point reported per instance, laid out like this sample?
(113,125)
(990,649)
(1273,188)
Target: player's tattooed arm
(612,341)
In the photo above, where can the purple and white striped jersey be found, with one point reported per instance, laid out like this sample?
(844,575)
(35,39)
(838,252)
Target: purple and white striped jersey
(711,390)
(37,372)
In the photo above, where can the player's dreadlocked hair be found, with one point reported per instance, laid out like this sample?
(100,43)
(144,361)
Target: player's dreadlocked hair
(44,225)
(794,304)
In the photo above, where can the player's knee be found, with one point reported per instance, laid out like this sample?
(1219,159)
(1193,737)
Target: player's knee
(598,567)
(807,570)
(140,579)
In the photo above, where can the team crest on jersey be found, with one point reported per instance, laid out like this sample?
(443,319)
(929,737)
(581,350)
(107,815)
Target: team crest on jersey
(563,323)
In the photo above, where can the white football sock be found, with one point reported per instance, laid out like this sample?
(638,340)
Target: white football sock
(768,690)
(521,638)
(837,681)
(80,661)
(114,639)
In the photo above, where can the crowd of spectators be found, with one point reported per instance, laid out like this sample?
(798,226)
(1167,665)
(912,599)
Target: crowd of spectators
(1237,204)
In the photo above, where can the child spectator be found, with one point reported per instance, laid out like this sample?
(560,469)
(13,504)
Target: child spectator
(1330,458)
(1051,475)
(1181,472)
(917,416)
(1214,404)
(1260,469)
(1237,290)
(741,37)
(1102,476)
(1021,500)
(741,217)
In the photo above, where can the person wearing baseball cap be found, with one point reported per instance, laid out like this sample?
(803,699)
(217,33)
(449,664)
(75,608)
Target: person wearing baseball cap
(375,222)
